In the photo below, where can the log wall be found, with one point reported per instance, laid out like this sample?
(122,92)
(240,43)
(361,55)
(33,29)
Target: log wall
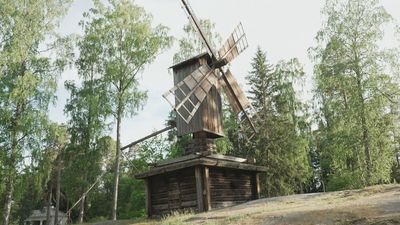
(172,191)
(230,187)
(200,188)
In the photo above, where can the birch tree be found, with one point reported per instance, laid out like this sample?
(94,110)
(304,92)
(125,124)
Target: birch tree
(354,92)
(128,43)
(27,80)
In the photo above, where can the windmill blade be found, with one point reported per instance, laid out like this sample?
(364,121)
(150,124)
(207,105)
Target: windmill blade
(235,96)
(196,25)
(234,45)
(191,91)
(238,101)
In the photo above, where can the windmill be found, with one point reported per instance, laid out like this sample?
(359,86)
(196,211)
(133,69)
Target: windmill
(202,179)
(206,77)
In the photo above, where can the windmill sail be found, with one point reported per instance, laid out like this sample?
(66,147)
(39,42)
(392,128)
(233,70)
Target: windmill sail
(234,45)
(242,102)
(238,101)
(191,91)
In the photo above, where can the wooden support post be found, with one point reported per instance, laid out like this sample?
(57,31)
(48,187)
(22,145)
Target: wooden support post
(148,196)
(207,192)
(199,188)
(256,186)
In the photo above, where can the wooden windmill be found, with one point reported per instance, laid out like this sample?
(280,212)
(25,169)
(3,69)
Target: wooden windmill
(198,83)
(202,180)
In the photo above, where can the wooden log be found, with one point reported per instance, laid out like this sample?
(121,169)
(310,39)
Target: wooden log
(229,186)
(256,186)
(189,204)
(147,184)
(206,182)
(199,188)
(188,197)
(246,195)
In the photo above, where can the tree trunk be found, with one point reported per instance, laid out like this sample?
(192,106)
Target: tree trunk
(58,192)
(11,169)
(365,132)
(82,208)
(117,165)
(8,199)
(49,205)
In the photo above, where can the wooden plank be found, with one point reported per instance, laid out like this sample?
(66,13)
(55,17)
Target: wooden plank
(189,197)
(189,204)
(206,182)
(177,160)
(200,161)
(228,158)
(199,188)
(257,185)
(147,185)
(199,121)
(235,93)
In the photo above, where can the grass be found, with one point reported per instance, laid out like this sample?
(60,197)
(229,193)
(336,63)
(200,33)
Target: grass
(356,207)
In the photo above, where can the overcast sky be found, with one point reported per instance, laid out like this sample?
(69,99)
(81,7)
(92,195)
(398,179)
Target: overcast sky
(283,28)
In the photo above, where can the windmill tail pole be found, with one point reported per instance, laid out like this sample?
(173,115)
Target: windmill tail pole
(171,126)
(84,194)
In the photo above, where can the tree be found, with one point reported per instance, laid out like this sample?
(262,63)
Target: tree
(191,44)
(354,87)
(127,43)
(282,141)
(57,139)
(27,81)
(35,182)
(88,109)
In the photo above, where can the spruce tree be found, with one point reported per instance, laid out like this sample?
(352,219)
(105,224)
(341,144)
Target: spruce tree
(281,143)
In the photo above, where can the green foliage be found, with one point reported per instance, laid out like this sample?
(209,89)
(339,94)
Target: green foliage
(191,45)
(124,42)
(131,198)
(282,141)
(176,144)
(354,90)
(28,79)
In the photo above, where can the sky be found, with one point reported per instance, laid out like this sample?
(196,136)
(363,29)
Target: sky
(284,29)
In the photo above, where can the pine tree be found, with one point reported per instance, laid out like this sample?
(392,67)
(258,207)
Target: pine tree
(260,81)
(281,143)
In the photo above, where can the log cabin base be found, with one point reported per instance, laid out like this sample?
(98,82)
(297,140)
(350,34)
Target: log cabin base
(200,182)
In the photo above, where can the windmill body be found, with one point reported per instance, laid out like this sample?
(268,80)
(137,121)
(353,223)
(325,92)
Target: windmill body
(202,180)
(208,117)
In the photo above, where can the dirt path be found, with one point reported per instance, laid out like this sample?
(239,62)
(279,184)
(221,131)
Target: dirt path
(378,205)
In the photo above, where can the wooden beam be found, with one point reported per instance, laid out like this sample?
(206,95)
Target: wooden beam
(200,161)
(171,126)
(147,189)
(256,186)
(206,182)
(199,188)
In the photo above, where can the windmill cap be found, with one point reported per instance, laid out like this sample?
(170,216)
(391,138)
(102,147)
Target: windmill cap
(190,60)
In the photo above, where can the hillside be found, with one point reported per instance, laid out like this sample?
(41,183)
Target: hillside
(378,205)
